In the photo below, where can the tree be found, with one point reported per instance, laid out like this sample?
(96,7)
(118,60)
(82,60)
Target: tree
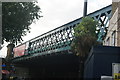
(84,38)
(16,18)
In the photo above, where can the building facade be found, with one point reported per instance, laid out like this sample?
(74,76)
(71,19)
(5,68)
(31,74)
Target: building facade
(113,33)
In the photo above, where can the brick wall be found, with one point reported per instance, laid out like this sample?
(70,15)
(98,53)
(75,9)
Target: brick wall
(114,27)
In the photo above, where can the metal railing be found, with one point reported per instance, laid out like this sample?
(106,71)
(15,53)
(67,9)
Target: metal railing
(59,39)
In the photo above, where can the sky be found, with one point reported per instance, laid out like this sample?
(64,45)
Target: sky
(58,12)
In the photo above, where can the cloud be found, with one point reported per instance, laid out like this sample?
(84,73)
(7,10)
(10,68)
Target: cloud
(94,5)
(58,12)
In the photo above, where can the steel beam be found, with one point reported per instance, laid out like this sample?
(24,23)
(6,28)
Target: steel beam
(59,39)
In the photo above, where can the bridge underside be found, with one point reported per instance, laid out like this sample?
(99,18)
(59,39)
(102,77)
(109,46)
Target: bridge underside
(60,65)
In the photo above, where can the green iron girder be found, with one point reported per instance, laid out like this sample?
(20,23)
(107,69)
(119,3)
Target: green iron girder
(59,39)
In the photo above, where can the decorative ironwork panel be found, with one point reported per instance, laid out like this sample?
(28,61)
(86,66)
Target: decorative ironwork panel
(59,39)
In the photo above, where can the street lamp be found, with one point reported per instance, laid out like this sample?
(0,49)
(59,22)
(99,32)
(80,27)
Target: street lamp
(85,8)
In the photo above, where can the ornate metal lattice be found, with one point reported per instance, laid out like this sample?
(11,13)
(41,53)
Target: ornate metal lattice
(59,39)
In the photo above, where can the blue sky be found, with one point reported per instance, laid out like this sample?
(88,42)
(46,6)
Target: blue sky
(58,12)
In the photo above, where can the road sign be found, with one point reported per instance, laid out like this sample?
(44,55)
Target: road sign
(116,71)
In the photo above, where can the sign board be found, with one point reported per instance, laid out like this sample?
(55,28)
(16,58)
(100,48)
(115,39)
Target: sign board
(116,71)
(19,51)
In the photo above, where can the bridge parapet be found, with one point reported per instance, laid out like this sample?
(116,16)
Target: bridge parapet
(55,39)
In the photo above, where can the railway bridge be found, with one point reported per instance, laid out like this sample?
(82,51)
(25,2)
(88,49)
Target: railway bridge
(50,53)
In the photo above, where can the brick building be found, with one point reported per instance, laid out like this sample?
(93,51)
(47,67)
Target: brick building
(113,34)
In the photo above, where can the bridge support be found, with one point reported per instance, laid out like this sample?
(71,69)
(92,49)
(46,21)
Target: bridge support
(60,65)
(22,72)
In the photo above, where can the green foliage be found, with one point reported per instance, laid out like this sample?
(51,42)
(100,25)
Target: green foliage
(16,18)
(85,36)
(86,27)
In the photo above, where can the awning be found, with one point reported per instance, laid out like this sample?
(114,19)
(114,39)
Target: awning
(5,72)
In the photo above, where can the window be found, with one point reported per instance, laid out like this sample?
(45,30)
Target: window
(108,41)
(113,39)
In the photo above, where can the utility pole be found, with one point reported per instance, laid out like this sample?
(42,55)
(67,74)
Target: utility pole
(85,8)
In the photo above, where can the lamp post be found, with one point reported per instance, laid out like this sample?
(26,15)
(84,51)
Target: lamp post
(85,8)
